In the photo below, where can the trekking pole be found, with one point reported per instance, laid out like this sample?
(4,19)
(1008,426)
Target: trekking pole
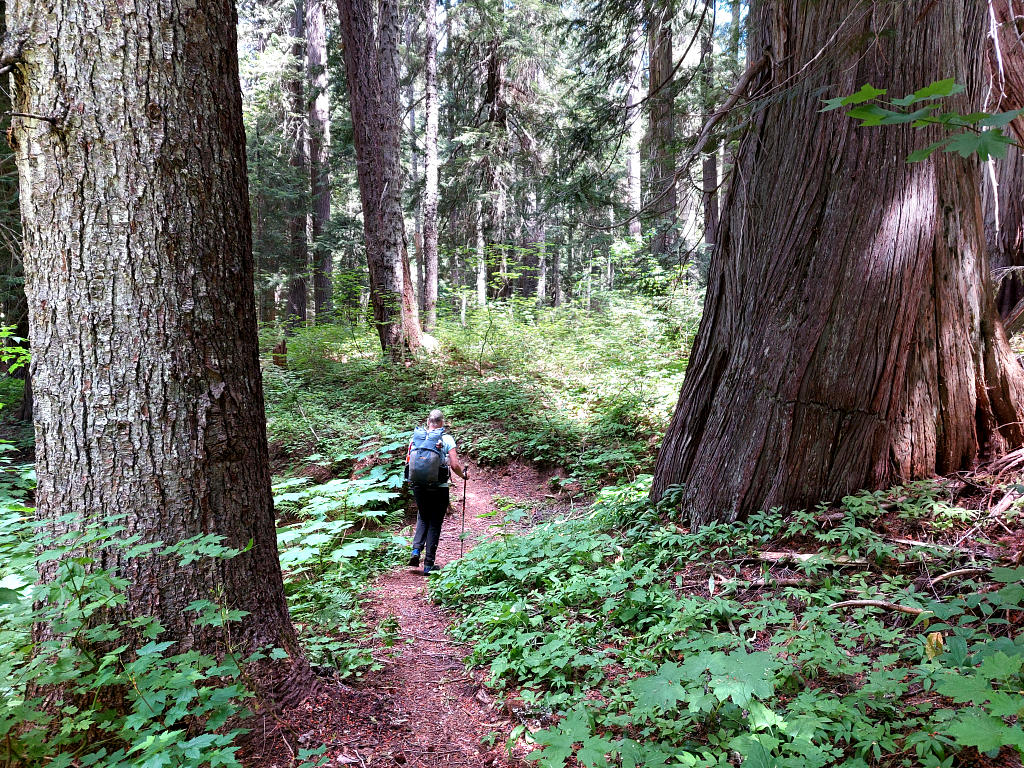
(462,536)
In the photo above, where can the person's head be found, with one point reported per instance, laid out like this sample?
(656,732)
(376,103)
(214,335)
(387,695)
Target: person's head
(435,419)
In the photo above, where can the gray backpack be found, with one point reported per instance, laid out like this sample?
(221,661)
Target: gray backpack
(428,462)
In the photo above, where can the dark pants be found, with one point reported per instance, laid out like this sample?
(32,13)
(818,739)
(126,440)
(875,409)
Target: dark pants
(431,506)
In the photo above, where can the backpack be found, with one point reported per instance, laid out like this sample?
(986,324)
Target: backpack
(428,462)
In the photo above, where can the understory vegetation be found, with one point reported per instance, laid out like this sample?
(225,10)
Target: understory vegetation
(338,423)
(826,637)
(883,631)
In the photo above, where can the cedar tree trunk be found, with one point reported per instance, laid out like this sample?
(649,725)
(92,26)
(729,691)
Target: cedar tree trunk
(849,337)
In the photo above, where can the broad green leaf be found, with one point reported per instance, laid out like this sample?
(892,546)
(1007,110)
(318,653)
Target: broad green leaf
(867,92)
(974,728)
(986,144)
(662,690)
(871,115)
(936,90)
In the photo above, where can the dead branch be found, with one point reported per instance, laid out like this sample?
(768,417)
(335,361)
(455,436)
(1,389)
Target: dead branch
(959,572)
(883,604)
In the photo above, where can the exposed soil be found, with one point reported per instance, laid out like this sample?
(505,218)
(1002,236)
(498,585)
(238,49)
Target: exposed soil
(422,709)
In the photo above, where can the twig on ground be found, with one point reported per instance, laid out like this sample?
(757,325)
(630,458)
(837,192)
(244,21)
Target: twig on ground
(883,604)
(437,640)
(959,572)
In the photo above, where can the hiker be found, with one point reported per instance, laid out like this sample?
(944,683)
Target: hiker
(428,462)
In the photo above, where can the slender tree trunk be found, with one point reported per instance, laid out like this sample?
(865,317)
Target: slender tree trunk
(570,278)
(319,155)
(371,32)
(497,125)
(481,257)
(410,311)
(1004,187)
(663,203)
(849,337)
(298,262)
(634,137)
(149,399)
(709,166)
(298,300)
(430,163)
(556,277)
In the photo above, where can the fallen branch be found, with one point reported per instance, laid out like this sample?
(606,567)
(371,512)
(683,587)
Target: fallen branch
(803,557)
(883,604)
(959,572)
(928,545)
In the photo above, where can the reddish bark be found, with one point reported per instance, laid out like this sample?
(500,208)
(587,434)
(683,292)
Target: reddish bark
(849,337)
(371,32)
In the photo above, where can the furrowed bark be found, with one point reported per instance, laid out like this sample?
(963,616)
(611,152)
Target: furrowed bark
(138,255)
(849,337)
(1004,180)
(371,32)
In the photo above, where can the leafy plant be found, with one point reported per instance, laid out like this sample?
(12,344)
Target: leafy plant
(979,133)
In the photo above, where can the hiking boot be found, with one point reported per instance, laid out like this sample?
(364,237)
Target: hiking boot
(415,559)
(428,569)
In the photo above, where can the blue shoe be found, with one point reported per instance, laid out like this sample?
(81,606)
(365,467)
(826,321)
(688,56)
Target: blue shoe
(428,569)
(415,559)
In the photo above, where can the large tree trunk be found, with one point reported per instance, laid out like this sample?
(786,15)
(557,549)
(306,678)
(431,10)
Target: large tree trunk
(430,163)
(371,31)
(849,337)
(1004,183)
(663,203)
(138,254)
(319,155)
(298,243)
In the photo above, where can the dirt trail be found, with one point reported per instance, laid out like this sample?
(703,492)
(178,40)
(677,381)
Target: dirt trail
(422,709)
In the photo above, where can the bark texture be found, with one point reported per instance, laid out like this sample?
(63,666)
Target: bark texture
(298,240)
(138,253)
(1004,189)
(663,204)
(371,33)
(430,166)
(849,337)
(319,155)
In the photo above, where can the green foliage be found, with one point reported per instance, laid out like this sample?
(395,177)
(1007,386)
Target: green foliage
(625,624)
(126,697)
(129,697)
(590,392)
(332,546)
(979,133)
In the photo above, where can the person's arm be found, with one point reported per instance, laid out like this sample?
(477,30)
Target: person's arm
(456,463)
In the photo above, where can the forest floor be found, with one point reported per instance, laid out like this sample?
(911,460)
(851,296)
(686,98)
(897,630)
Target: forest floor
(422,708)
